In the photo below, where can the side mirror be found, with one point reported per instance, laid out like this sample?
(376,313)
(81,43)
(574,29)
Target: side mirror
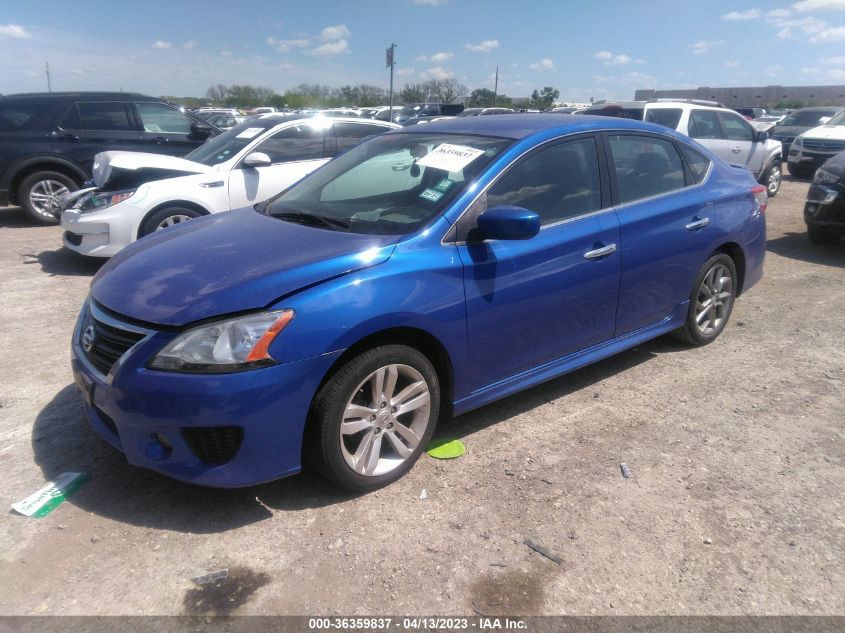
(761,135)
(257,159)
(508,223)
(201,130)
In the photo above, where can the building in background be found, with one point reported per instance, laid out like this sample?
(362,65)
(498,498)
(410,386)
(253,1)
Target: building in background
(767,96)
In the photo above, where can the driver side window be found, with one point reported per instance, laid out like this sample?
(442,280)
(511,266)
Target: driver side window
(299,142)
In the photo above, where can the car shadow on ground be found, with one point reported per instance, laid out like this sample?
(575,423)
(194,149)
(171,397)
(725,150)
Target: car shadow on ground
(65,262)
(17,218)
(799,246)
(62,441)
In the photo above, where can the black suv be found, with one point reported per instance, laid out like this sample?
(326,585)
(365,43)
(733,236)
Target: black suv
(48,140)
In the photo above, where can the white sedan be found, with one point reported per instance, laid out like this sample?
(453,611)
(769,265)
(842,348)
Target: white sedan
(138,193)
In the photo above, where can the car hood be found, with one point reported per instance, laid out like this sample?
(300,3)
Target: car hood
(826,131)
(836,164)
(123,170)
(789,130)
(226,263)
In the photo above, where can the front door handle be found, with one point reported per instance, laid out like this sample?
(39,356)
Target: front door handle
(209,185)
(161,139)
(697,224)
(736,150)
(604,251)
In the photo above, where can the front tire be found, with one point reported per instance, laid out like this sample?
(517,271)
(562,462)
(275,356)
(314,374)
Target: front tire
(373,418)
(167,217)
(39,192)
(821,235)
(772,179)
(711,301)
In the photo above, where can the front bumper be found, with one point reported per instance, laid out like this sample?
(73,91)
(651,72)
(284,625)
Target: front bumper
(807,159)
(825,206)
(101,233)
(155,418)
(4,198)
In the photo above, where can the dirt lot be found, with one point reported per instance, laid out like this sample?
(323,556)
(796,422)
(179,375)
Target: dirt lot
(735,505)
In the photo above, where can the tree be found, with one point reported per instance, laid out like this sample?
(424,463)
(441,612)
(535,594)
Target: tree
(445,90)
(412,93)
(481,98)
(545,98)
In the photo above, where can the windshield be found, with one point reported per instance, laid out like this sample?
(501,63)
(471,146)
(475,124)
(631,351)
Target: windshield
(393,184)
(839,119)
(808,118)
(222,147)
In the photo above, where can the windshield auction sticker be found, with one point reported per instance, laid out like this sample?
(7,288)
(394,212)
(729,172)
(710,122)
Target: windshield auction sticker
(250,132)
(450,158)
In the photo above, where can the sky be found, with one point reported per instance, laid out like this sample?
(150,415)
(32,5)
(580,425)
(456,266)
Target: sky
(584,49)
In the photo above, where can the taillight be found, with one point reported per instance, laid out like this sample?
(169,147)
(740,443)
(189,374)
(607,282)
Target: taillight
(761,196)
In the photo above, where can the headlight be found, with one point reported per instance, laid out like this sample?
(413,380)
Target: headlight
(824,177)
(798,142)
(226,346)
(98,201)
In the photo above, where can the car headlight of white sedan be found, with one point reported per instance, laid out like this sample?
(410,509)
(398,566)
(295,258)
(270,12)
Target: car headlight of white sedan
(102,200)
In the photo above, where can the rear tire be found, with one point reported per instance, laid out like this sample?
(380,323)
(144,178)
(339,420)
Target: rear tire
(40,191)
(821,235)
(168,216)
(711,301)
(371,421)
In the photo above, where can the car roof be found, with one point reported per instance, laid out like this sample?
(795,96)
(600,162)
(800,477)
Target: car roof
(67,96)
(519,126)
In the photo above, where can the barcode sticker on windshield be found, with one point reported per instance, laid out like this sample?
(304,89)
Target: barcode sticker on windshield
(450,157)
(250,132)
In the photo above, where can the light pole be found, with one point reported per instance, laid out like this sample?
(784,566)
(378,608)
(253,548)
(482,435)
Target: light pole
(390,64)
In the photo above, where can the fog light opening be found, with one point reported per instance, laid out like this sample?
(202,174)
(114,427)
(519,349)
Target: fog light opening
(159,447)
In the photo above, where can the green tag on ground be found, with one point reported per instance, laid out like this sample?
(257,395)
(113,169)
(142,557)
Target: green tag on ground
(50,496)
(446,449)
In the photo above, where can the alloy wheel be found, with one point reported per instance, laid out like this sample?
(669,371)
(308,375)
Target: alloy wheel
(44,196)
(385,419)
(713,302)
(775,176)
(172,220)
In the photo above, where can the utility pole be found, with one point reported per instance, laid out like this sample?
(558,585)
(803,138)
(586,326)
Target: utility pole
(47,66)
(390,63)
(496,88)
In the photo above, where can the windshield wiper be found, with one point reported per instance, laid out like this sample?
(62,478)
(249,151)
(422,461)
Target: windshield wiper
(311,219)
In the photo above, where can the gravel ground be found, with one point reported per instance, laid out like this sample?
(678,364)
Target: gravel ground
(734,506)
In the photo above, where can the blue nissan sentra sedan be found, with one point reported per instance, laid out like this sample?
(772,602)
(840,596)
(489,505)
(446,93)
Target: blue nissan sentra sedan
(429,270)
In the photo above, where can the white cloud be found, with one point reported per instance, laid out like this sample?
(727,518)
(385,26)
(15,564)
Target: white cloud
(614,60)
(331,48)
(832,34)
(14,31)
(785,33)
(437,73)
(619,60)
(779,13)
(772,71)
(603,55)
(163,45)
(808,6)
(430,3)
(834,61)
(332,33)
(837,74)
(738,16)
(404,72)
(483,47)
(190,44)
(543,64)
(705,46)
(283,46)
(226,53)
(811,71)
(640,80)
(440,57)
(731,64)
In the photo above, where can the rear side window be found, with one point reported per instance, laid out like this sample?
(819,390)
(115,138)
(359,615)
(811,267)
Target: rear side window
(104,116)
(559,182)
(350,134)
(300,142)
(645,166)
(664,116)
(697,162)
(19,116)
(159,117)
(704,124)
(736,128)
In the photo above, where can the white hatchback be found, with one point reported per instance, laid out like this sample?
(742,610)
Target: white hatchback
(138,193)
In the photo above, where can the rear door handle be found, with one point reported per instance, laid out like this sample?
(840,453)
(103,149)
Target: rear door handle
(604,251)
(209,185)
(697,224)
